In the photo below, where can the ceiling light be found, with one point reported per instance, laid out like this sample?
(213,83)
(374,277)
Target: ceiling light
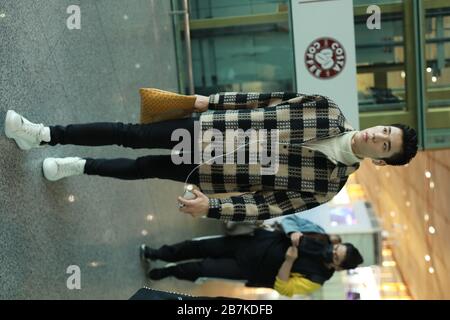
(428,174)
(431,230)
(434,78)
(431,270)
(144,232)
(431,185)
(389,264)
(426,217)
(429,69)
(403,74)
(427,258)
(149,217)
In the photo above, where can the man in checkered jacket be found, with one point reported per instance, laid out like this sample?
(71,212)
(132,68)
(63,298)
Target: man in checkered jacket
(316,150)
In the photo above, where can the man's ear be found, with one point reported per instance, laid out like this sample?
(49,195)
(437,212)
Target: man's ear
(379,162)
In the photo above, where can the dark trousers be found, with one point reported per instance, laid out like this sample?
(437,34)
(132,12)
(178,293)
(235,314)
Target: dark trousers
(218,258)
(136,136)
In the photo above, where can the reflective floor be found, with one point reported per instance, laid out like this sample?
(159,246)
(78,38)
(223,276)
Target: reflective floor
(54,75)
(412,203)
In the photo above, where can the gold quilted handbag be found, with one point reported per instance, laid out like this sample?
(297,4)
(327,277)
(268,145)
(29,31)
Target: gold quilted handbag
(158,105)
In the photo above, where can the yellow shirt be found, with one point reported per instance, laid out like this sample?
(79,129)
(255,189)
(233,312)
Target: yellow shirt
(297,284)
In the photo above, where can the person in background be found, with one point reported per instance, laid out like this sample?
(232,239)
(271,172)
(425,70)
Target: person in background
(272,259)
(295,227)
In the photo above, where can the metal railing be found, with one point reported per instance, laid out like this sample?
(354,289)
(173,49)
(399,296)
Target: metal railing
(187,42)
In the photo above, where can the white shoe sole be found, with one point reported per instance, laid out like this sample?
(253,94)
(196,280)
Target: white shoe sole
(171,264)
(8,121)
(11,117)
(50,169)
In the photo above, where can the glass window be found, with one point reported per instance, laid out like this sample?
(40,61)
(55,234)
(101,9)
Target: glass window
(437,55)
(236,54)
(380,57)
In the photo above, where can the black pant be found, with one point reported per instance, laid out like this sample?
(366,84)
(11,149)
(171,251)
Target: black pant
(218,258)
(136,136)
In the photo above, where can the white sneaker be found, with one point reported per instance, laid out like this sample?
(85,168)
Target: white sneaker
(26,134)
(58,168)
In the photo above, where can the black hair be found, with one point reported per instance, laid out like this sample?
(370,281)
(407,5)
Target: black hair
(409,146)
(352,258)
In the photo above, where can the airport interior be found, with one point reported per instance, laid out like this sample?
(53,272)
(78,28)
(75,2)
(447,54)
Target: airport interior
(397,216)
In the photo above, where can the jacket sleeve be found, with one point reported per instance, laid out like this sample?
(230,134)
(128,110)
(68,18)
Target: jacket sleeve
(295,285)
(249,100)
(261,205)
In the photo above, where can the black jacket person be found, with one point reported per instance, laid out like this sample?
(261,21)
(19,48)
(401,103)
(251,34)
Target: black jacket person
(260,259)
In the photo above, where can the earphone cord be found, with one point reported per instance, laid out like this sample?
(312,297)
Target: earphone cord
(279,143)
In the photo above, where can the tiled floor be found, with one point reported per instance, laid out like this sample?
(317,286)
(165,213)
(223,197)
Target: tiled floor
(54,75)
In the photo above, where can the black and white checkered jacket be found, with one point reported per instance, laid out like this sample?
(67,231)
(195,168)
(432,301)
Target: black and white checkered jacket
(305,178)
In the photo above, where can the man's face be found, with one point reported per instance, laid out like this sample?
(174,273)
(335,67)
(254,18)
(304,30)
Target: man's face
(339,253)
(377,142)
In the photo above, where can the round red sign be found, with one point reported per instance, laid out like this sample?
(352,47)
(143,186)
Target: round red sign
(325,58)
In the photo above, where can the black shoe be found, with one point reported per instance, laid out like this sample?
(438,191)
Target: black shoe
(147,253)
(158,274)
